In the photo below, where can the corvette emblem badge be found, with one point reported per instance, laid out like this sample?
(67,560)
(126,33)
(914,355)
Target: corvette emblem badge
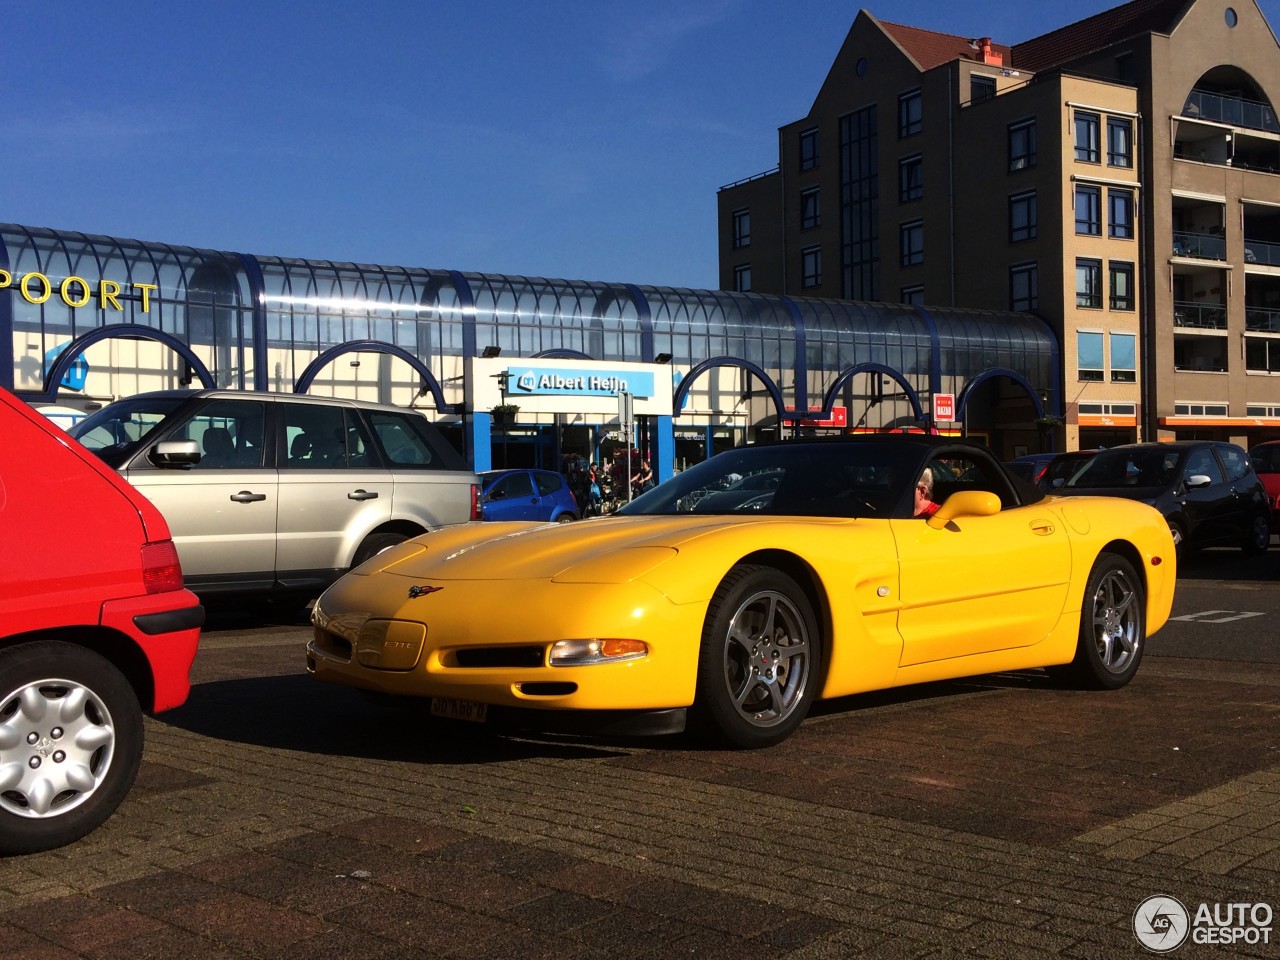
(417,591)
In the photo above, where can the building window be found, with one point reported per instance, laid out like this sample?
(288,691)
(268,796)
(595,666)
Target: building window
(742,278)
(1121,204)
(913,295)
(1088,210)
(1024,287)
(1125,71)
(741,229)
(1087,149)
(910,178)
(981,88)
(912,243)
(1121,285)
(811,266)
(1199,409)
(1262,354)
(1088,283)
(859,204)
(1088,356)
(1119,141)
(1022,216)
(1124,358)
(808,148)
(810,209)
(1022,145)
(910,114)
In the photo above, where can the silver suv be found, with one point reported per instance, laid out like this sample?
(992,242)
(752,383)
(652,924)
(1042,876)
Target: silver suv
(281,492)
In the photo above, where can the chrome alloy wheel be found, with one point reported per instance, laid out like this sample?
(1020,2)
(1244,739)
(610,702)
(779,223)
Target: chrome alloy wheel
(766,658)
(1117,621)
(57,742)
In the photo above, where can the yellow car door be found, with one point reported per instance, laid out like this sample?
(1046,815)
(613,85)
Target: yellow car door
(980,584)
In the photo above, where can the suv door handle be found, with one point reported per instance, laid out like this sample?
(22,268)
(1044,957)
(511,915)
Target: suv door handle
(362,495)
(246,496)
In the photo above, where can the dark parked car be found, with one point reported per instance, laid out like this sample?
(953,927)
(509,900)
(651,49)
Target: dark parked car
(1207,491)
(1266,464)
(1048,471)
(526,495)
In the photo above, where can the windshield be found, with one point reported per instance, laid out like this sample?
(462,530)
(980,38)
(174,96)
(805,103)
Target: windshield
(796,479)
(1153,466)
(117,431)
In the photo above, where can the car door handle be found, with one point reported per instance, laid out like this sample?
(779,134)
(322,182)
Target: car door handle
(1041,528)
(247,496)
(362,495)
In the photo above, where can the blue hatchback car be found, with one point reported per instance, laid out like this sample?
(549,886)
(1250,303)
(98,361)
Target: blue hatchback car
(526,495)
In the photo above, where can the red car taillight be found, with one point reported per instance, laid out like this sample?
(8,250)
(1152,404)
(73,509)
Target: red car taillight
(161,571)
(476,512)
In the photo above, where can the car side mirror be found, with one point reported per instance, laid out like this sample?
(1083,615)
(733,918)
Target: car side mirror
(1198,480)
(966,503)
(175,453)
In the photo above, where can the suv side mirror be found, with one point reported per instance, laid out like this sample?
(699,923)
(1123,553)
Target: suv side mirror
(174,453)
(1198,480)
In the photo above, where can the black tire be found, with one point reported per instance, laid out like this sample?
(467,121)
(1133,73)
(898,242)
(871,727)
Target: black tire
(1258,535)
(760,661)
(374,544)
(566,517)
(1180,549)
(71,725)
(1113,620)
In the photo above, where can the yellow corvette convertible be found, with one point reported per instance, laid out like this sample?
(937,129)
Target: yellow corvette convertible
(738,592)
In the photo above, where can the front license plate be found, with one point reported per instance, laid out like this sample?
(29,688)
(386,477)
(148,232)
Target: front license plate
(459,709)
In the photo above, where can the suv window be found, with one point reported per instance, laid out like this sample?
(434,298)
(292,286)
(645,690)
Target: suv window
(407,441)
(1235,460)
(228,432)
(315,436)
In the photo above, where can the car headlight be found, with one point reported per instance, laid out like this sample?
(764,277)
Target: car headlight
(578,653)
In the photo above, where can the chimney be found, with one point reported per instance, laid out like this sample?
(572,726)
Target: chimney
(987,54)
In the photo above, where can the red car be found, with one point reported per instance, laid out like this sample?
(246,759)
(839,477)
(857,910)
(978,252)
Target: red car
(95,628)
(1266,464)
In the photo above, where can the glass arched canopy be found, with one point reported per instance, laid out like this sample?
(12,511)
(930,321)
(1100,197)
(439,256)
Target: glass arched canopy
(257,321)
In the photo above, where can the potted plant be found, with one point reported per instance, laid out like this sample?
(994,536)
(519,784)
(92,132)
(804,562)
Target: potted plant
(504,412)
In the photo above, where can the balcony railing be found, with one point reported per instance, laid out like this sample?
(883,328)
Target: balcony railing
(1235,111)
(1262,319)
(1260,251)
(1204,246)
(1200,316)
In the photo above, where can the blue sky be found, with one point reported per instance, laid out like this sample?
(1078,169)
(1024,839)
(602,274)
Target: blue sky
(582,139)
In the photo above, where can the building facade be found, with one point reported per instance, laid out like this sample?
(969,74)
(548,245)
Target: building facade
(1118,178)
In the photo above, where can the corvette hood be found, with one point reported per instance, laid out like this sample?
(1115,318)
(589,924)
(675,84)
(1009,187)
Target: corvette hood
(615,547)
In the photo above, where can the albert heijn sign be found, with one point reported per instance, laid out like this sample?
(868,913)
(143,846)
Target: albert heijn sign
(944,407)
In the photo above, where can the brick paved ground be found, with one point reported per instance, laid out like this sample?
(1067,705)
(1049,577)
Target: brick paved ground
(1002,817)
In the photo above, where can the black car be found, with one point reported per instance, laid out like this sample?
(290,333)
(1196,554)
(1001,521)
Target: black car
(1048,471)
(1206,490)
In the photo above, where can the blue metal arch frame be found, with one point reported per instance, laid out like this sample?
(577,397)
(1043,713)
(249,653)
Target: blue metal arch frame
(986,375)
(313,369)
(682,391)
(871,366)
(645,316)
(123,331)
(258,297)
